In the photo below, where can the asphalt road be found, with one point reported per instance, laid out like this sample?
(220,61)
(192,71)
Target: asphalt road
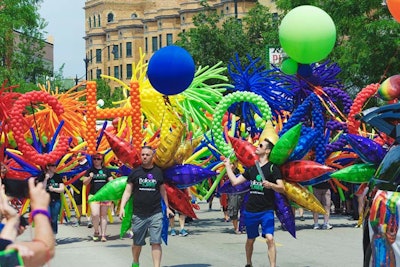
(211,242)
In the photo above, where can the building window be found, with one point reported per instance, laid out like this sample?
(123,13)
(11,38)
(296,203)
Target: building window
(128,71)
(115,52)
(98,73)
(94,21)
(169,39)
(128,49)
(146,45)
(90,22)
(91,55)
(116,72)
(120,50)
(108,71)
(154,44)
(121,72)
(110,17)
(98,20)
(134,16)
(108,53)
(98,55)
(160,41)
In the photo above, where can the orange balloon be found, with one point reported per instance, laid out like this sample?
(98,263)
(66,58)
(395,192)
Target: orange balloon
(394,8)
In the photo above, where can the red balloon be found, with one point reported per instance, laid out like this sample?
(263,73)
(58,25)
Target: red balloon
(123,150)
(303,170)
(245,151)
(179,201)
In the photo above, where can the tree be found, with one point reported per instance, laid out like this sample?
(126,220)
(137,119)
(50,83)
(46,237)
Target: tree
(217,38)
(368,39)
(21,43)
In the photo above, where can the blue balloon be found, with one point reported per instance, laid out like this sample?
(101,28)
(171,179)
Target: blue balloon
(171,70)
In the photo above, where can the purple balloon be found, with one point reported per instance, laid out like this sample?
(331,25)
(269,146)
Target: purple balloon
(368,150)
(186,175)
(284,213)
(228,188)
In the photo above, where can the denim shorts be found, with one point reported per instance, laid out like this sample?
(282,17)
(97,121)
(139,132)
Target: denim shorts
(143,225)
(254,219)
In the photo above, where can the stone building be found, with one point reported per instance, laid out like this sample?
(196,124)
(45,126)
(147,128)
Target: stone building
(116,29)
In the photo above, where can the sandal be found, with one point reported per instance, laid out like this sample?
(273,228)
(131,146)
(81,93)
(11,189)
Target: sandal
(103,239)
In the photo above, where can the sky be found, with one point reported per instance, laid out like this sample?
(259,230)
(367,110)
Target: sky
(66,24)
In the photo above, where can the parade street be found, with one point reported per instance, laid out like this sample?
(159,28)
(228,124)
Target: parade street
(211,242)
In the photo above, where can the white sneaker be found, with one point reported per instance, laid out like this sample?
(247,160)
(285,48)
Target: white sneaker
(327,226)
(316,226)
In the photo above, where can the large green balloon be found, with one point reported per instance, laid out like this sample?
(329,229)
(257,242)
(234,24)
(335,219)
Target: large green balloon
(307,34)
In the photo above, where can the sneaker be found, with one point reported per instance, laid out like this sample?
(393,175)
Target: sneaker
(95,237)
(90,225)
(129,234)
(327,226)
(316,226)
(75,224)
(135,264)
(173,232)
(183,232)
(248,265)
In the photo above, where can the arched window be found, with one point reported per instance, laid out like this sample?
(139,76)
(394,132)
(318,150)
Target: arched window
(98,20)
(110,17)
(94,21)
(134,16)
(90,22)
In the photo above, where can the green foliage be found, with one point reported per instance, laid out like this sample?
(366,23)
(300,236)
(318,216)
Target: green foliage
(21,43)
(218,38)
(109,96)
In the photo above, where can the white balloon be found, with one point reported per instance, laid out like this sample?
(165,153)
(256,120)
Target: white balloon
(100,102)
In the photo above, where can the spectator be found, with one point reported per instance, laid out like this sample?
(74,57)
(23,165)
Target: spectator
(41,249)
(323,193)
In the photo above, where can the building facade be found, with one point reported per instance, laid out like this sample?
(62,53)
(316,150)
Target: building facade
(116,30)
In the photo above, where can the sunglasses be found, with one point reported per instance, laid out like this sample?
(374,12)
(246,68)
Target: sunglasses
(97,159)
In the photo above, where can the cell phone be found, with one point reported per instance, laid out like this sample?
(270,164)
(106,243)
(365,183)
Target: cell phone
(16,188)
(10,258)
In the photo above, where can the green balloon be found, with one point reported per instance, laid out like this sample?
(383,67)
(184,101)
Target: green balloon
(307,34)
(356,173)
(111,191)
(126,223)
(285,145)
(289,66)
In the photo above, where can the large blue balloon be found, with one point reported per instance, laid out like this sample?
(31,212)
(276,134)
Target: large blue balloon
(171,70)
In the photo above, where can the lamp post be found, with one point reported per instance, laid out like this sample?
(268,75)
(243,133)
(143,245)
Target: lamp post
(86,60)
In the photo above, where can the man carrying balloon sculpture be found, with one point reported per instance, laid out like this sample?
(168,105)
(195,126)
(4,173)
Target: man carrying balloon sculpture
(259,209)
(146,184)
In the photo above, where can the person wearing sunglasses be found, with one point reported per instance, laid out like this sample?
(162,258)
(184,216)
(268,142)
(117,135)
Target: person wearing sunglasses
(54,186)
(98,176)
(259,208)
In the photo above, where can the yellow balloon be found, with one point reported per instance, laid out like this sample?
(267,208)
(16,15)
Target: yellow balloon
(269,133)
(168,146)
(303,197)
